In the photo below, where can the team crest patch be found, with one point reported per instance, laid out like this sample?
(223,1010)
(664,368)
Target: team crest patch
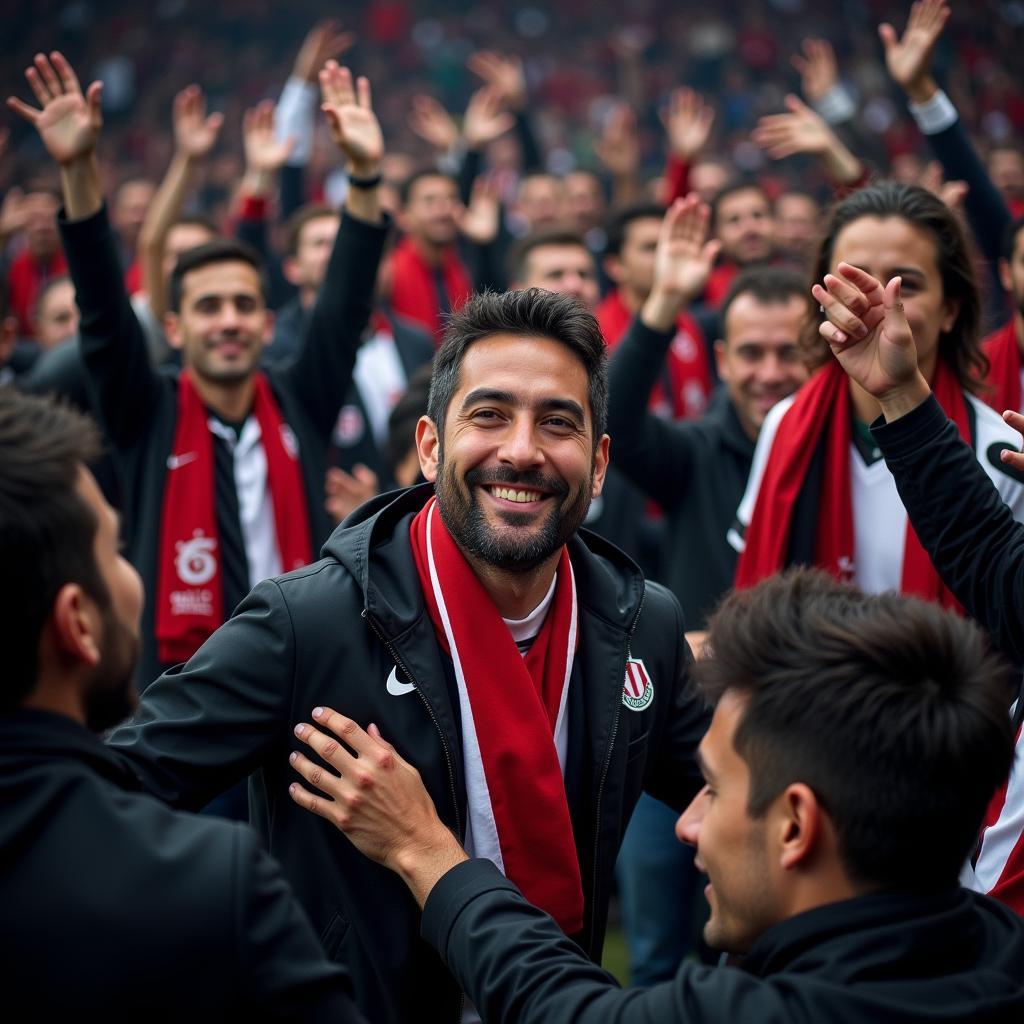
(637,690)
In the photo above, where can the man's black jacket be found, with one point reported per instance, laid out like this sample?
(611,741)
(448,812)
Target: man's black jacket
(137,405)
(349,631)
(886,958)
(696,470)
(117,908)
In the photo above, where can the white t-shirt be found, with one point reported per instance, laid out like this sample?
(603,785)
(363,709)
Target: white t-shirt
(879,518)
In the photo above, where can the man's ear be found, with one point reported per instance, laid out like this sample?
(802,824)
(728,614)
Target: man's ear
(720,363)
(428,445)
(290,271)
(268,327)
(798,823)
(76,625)
(613,268)
(172,329)
(600,464)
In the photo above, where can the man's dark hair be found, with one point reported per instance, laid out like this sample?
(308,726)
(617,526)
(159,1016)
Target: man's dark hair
(197,220)
(620,220)
(300,218)
(1010,234)
(892,710)
(532,312)
(46,529)
(960,347)
(218,250)
(44,291)
(407,186)
(520,252)
(731,189)
(768,286)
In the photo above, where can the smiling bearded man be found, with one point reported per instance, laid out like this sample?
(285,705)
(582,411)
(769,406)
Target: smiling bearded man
(523,666)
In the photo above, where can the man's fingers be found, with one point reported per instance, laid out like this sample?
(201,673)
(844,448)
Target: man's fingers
(1012,459)
(1015,420)
(317,804)
(833,335)
(22,109)
(66,72)
(49,76)
(365,92)
(861,280)
(853,298)
(342,727)
(94,97)
(315,774)
(839,314)
(37,86)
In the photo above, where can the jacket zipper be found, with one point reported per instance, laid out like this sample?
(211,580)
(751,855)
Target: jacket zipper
(390,648)
(604,776)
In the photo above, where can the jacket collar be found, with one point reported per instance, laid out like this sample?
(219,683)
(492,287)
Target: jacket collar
(721,412)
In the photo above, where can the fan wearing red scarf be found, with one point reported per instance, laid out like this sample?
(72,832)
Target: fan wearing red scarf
(1004,347)
(819,491)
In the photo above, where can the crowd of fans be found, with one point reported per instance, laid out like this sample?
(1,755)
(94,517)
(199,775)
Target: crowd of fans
(241,237)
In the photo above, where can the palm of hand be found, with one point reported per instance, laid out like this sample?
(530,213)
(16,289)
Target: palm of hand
(684,268)
(906,58)
(359,133)
(885,357)
(67,127)
(196,137)
(265,153)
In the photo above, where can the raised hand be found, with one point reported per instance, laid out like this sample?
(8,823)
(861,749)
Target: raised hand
(432,123)
(503,74)
(685,256)
(952,193)
(817,67)
(618,148)
(486,118)
(799,131)
(803,130)
(68,122)
(354,126)
(480,221)
(867,330)
(345,492)
(264,152)
(909,58)
(687,120)
(195,132)
(323,41)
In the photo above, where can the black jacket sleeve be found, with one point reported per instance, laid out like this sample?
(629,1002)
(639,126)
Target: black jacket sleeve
(281,967)
(972,539)
(205,725)
(322,371)
(122,379)
(515,964)
(985,208)
(654,453)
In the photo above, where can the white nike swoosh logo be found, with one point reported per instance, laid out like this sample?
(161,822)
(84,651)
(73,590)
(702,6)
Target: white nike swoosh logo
(395,688)
(177,461)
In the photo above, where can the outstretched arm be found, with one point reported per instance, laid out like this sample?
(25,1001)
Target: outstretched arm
(113,345)
(194,136)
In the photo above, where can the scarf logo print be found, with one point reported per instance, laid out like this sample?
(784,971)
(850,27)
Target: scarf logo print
(637,690)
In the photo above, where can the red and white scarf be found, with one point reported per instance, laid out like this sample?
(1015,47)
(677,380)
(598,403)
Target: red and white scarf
(822,408)
(414,288)
(190,592)
(511,708)
(1004,368)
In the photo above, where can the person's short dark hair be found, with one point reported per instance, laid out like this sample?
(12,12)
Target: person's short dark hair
(197,220)
(300,218)
(404,416)
(892,710)
(217,250)
(407,186)
(1013,229)
(46,529)
(531,312)
(520,253)
(620,220)
(768,286)
(960,346)
(731,189)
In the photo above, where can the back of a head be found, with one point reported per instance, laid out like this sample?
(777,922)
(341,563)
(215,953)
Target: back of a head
(891,709)
(46,527)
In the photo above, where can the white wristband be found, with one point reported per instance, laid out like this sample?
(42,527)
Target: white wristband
(934,115)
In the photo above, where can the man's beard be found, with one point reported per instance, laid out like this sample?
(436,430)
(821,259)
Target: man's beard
(463,516)
(111,697)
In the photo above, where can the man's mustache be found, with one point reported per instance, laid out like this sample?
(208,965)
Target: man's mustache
(525,480)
